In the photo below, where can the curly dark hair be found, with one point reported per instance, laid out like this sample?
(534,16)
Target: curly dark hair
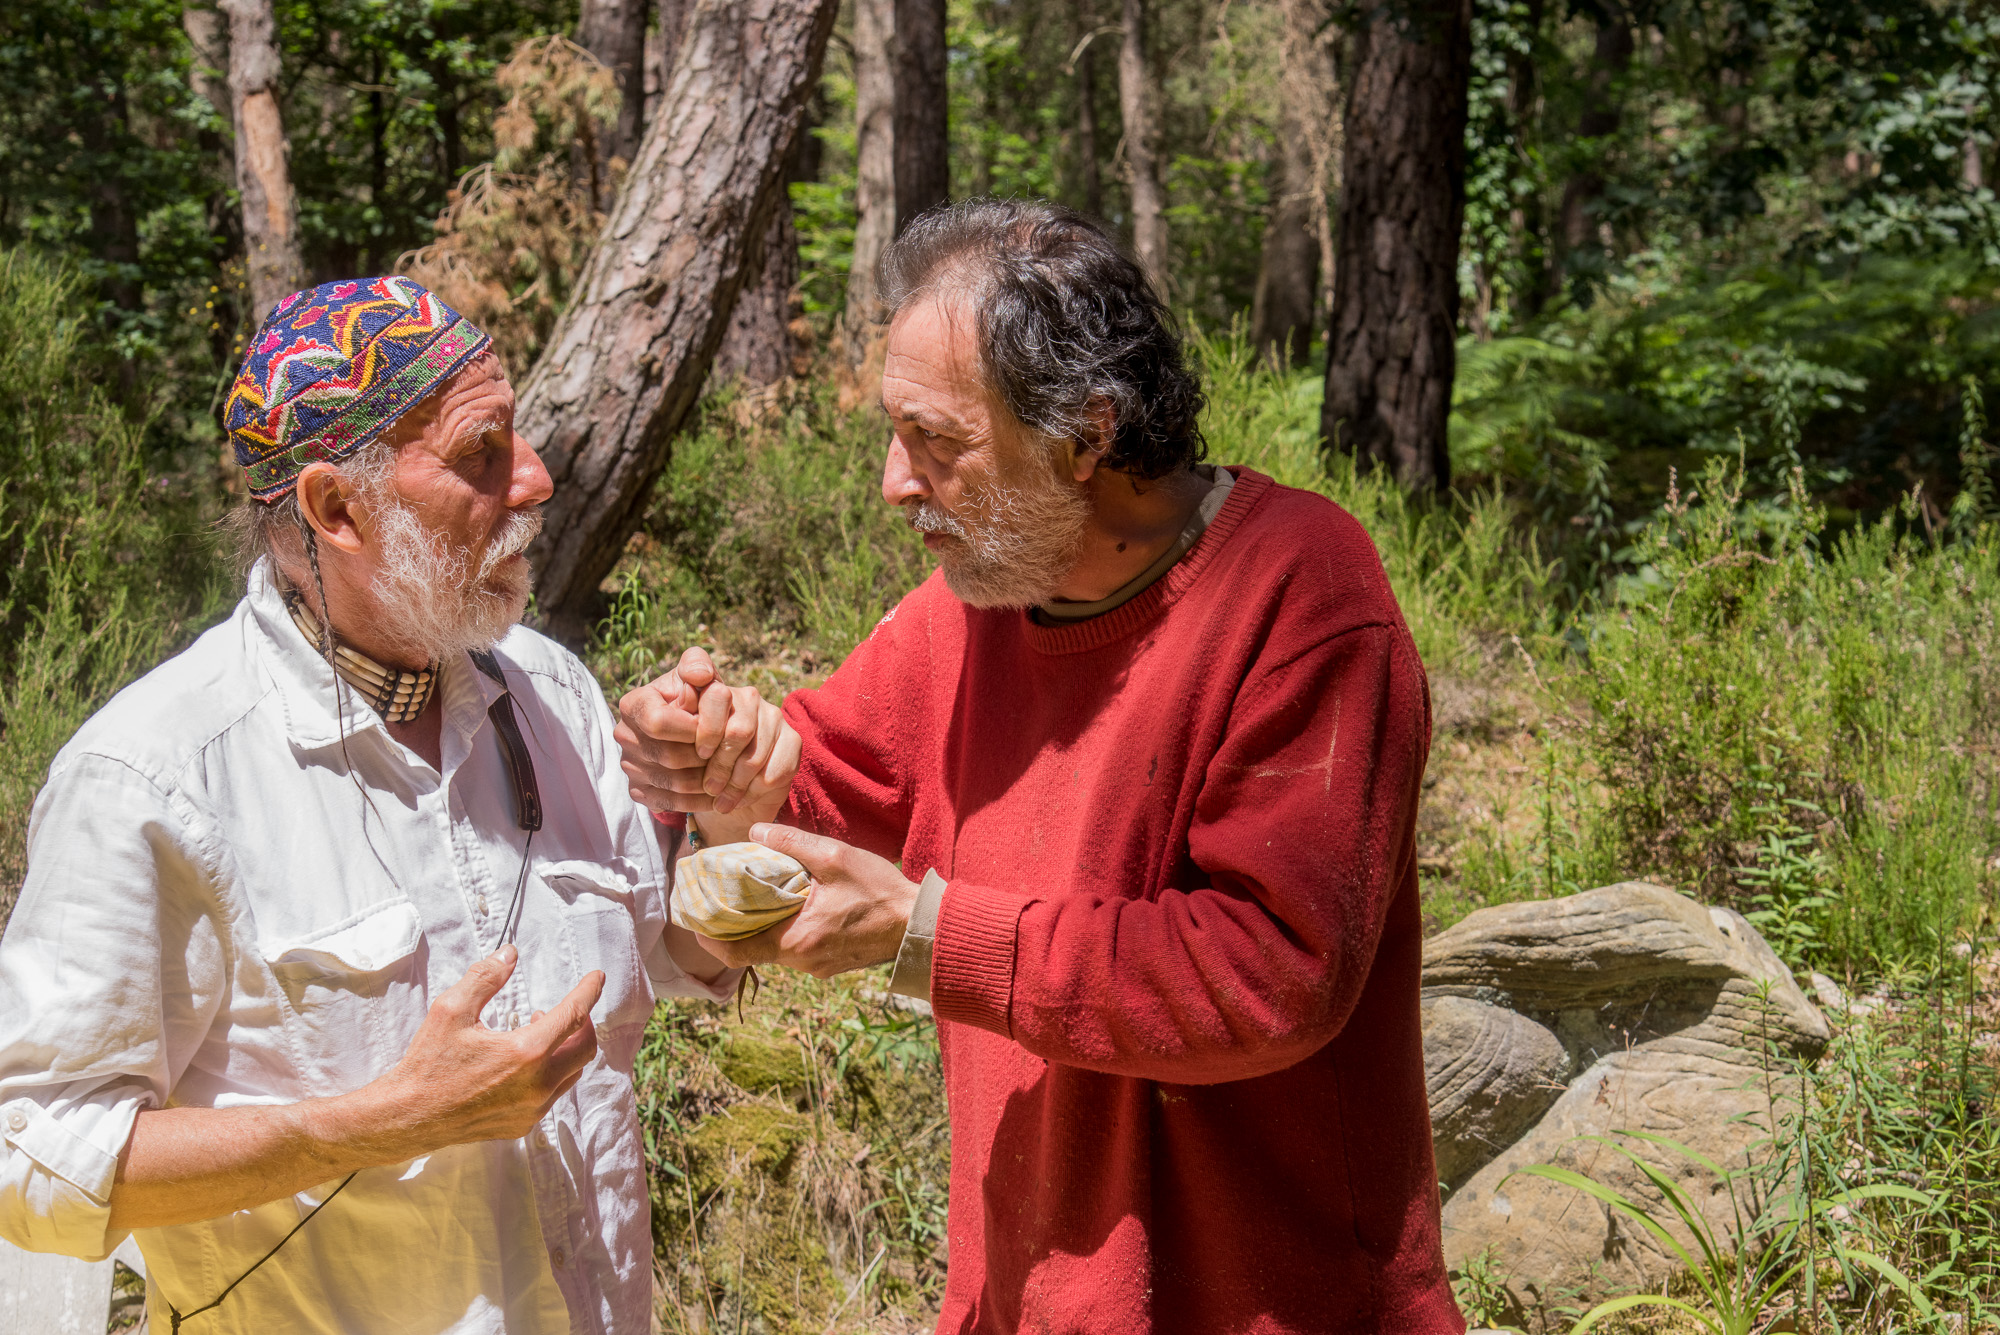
(1066,323)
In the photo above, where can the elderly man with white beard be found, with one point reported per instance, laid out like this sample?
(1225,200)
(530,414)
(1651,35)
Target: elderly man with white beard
(340,929)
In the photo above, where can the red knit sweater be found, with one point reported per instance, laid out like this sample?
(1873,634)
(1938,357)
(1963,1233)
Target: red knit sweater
(1176,965)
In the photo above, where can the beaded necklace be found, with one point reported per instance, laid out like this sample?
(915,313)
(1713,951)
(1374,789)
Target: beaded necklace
(398,695)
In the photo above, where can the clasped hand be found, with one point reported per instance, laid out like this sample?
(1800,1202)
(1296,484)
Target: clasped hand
(692,743)
(695,744)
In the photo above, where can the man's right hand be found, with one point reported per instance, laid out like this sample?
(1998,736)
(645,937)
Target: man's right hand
(460,1081)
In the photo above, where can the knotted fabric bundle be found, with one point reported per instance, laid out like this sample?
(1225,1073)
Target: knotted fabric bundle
(737,890)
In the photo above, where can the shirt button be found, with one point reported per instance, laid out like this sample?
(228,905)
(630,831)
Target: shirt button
(17,1120)
(482,906)
(557,1256)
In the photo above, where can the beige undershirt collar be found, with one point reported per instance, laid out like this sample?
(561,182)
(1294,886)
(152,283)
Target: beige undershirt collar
(1220,480)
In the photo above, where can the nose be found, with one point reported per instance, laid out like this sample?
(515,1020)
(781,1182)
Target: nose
(901,480)
(531,484)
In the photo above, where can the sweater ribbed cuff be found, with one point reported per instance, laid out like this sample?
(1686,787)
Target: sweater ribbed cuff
(972,959)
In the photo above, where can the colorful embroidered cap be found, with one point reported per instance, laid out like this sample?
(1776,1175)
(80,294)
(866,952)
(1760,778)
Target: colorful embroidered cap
(333,367)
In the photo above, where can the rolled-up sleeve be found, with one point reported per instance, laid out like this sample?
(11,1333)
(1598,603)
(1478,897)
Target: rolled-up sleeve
(111,971)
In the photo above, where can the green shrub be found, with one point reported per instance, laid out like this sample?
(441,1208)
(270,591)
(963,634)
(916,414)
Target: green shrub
(1792,725)
(102,571)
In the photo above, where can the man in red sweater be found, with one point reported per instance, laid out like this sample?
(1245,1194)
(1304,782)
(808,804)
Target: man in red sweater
(1148,751)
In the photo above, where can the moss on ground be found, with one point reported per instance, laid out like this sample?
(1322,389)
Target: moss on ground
(763,1066)
(750,1138)
(799,1157)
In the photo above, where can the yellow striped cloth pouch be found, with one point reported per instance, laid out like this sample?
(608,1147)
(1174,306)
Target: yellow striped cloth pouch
(736,890)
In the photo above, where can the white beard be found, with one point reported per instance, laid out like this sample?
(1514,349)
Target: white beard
(1008,546)
(432,602)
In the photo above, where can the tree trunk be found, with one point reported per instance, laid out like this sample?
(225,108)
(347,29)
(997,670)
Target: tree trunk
(1282,309)
(761,344)
(1390,348)
(1090,182)
(758,346)
(208,76)
(263,180)
(1599,117)
(922,114)
(663,45)
(1138,103)
(208,72)
(628,359)
(615,32)
(1526,221)
(874,172)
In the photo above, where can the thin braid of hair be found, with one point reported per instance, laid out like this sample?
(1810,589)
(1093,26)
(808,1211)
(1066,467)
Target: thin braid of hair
(326,647)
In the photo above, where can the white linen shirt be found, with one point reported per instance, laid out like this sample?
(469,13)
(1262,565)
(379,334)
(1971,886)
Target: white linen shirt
(216,915)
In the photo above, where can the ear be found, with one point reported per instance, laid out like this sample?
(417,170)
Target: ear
(1090,453)
(327,502)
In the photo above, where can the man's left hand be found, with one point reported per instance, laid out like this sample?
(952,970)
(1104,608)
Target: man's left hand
(853,918)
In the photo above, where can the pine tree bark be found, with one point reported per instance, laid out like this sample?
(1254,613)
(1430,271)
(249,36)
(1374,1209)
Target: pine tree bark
(758,347)
(921,133)
(615,32)
(1288,275)
(1599,118)
(1138,103)
(1392,340)
(762,341)
(1090,182)
(874,173)
(263,178)
(629,357)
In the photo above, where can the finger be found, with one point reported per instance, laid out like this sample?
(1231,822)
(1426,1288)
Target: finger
(572,1054)
(753,760)
(651,714)
(759,949)
(568,1015)
(716,702)
(642,750)
(689,781)
(666,799)
(819,855)
(696,668)
(782,767)
(563,1087)
(481,983)
(739,732)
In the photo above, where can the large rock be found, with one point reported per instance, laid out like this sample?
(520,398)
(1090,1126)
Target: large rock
(1492,1073)
(1628,1008)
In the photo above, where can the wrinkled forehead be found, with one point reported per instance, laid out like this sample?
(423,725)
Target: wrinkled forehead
(933,360)
(477,399)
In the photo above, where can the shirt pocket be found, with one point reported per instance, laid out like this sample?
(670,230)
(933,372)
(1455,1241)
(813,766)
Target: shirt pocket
(356,990)
(600,920)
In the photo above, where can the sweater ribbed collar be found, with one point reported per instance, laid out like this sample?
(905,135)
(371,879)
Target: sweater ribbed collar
(1119,622)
